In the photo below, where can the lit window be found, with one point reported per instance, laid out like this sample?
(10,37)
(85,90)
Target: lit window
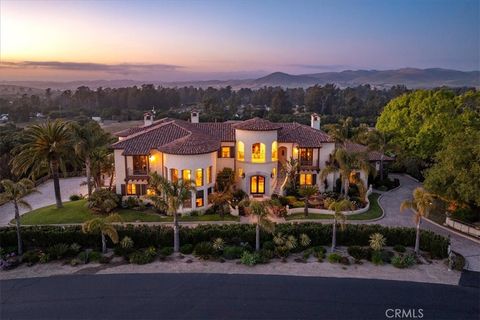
(240,151)
(150,192)
(188,202)
(186,175)
(131,189)
(257,184)
(306,179)
(258,152)
(209,174)
(199,199)
(174,175)
(225,152)
(240,172)
(274,151)
(199,177)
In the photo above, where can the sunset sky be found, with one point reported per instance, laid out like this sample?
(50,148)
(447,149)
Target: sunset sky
(191,40)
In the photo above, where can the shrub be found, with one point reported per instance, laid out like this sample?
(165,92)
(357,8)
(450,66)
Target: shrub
(233,252)
(334,258)
(75,197)
(31,257)
(250,259)
(130,202)
(386,256)
(403,261)
(95,256)
(186,248)
(266,255)
(104,260)
(166,251)
(359,253)
(305,240)
(140,257)
(399,248)
(103,201)
(458,262)
(307,253)
(319,253)
(58,251)
(126,243)
(377,258)
(203,250)
(218,244)
(466,215)
(268,245)
(344,261)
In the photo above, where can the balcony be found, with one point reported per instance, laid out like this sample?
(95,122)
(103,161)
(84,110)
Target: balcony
(137,174)
(308,164)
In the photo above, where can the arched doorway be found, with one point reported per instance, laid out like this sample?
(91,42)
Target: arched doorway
(257,184)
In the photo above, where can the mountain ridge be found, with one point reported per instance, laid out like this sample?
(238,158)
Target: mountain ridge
(410,77)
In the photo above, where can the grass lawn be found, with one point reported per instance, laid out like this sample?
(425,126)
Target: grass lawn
(77,212)
(374,212)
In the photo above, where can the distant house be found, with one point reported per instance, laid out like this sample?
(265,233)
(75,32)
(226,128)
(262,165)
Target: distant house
(255,150)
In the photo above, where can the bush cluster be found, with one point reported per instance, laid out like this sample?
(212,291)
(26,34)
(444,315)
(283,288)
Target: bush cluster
(403,261)
(42,237)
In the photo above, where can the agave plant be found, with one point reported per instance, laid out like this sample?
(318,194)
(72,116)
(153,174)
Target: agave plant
(218,244)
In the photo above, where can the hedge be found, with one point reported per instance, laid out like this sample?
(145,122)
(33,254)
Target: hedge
(162,236)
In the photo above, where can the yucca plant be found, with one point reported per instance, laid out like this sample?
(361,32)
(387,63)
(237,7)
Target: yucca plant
(377,241)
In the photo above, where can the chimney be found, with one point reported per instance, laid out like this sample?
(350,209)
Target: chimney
(147,119)
(194,116)
(315,121)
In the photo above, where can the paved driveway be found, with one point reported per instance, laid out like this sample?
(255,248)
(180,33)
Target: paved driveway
(215,296)
(393,217)
(68,186)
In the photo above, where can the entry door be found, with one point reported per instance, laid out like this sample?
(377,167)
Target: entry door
(257,185)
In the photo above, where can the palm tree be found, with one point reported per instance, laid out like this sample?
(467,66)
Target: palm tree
(88,139)
(291,168)
(259,209)
(307,192)
(379,141)
(103,162)
(105,227)
(220,200)
(338,207)
(14,193)
(421,204)
(48,146)
(174,194)
(346,163)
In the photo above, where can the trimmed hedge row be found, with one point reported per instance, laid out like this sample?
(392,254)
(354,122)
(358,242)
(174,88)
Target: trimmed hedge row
(162,236)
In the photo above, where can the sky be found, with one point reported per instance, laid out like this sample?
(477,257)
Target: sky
(200,40)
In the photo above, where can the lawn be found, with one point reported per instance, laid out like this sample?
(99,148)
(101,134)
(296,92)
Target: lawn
(374,212)
(77,212)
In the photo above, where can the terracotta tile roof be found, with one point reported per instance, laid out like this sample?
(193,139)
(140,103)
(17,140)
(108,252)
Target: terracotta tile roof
(181,137)
(372,155)
(133,130)
(257,124)
(303,135)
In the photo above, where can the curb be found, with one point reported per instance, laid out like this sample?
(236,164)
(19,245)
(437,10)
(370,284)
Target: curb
(452,230)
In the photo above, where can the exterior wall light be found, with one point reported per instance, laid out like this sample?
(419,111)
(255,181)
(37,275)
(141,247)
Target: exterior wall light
(243,175)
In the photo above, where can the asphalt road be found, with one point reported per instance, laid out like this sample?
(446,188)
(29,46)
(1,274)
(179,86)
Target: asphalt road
(214,296)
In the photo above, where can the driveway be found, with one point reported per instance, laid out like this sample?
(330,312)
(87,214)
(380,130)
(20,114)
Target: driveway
(390,202)
(68,186)
(214,296)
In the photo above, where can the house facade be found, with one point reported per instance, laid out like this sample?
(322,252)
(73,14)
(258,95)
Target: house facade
(256,150)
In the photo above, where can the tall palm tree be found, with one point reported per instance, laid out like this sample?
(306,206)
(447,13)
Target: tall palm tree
(221,200)
(14,193)
(103,163)
(88,139)
(338,207)
(104,226)
(259,209)
(291,168)
(174,194)
(421,204)
(47,148)
(346,163)
(379,141)
(307,192)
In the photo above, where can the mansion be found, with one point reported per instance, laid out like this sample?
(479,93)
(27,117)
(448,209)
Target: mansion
(255,149)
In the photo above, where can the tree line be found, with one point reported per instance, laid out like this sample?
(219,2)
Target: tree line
(363,102)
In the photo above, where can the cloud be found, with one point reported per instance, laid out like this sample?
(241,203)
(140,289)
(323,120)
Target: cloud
(327,67)
(123,68)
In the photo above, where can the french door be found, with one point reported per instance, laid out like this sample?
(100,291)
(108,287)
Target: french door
(257,184)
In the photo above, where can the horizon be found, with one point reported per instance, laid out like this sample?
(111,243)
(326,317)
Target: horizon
(211,40)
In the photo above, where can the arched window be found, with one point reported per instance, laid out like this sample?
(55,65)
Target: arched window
(258,152)
(240,151)
(274,151)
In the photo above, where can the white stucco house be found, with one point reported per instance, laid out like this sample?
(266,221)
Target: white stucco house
(254,149)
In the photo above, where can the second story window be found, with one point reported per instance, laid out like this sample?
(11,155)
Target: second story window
(209,174)
(140,165)
(199,177)
(174,175)
(226,152)
(306,156)
(186,175)
(258,152)
(274,151)
(240,151)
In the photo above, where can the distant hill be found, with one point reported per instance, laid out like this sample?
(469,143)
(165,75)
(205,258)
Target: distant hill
(410,77)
